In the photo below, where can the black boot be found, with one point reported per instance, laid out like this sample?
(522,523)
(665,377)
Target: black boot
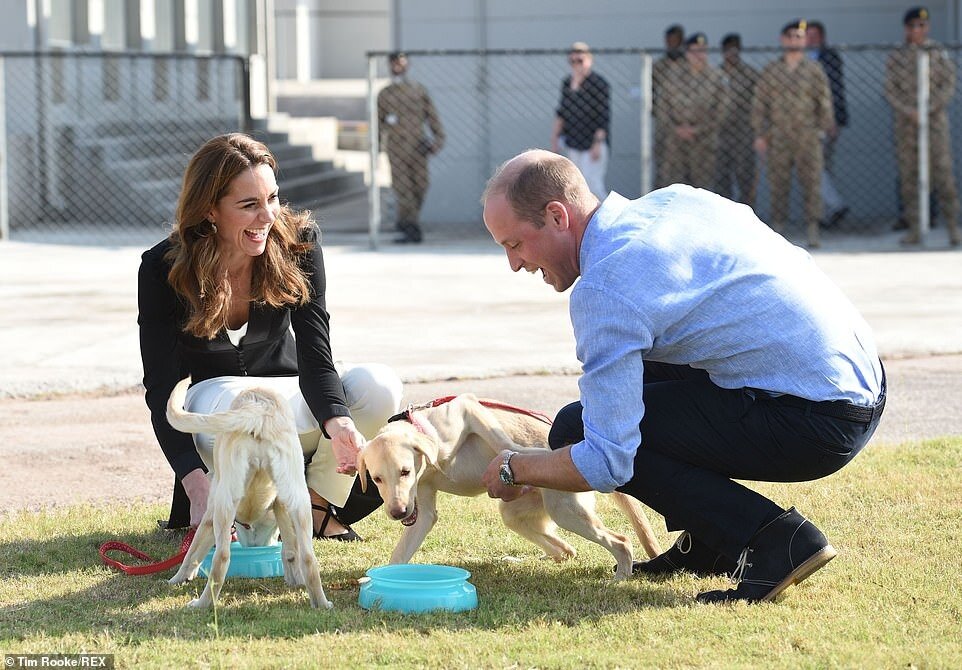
(410,233)
(783,552)
(686,554)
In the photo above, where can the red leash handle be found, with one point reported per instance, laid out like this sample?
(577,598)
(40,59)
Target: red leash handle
(152,566)
(517,410)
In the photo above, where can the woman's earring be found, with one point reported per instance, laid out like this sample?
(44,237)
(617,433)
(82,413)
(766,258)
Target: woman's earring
(213,227)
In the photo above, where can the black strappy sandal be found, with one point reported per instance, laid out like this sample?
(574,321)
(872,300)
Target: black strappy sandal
(347,536)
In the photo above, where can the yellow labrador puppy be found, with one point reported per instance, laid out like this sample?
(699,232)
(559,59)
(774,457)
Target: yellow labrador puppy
(258,471)
(447,448)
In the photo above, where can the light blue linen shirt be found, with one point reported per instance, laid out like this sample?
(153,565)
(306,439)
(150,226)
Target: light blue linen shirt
(687,277)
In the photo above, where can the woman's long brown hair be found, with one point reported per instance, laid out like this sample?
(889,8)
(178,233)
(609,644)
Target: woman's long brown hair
(197,273)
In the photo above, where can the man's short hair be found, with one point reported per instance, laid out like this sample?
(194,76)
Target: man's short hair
(819,26)
(675,30)
(731,39)
(528,189)
(395,56)
(579,48)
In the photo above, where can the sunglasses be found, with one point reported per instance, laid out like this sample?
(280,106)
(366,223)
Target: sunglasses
(576,61)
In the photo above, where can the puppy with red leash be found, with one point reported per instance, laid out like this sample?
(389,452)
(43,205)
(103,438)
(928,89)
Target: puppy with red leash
(446,446)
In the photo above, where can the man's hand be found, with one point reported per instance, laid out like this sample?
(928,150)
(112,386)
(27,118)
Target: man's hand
(491,479)
(685,132)
(761,145)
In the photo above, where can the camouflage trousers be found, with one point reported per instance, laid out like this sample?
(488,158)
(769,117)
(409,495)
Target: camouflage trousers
(409,180)
(803,152)
(690,161)
(736,164)
(941,177)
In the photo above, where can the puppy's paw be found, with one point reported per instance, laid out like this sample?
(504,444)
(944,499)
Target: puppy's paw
(179,578)
(198,603)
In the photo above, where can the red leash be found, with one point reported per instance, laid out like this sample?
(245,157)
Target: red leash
(151,567)
(487,403)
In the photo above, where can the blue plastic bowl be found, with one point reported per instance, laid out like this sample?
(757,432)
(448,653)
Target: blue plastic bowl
(417,588)
(249,562)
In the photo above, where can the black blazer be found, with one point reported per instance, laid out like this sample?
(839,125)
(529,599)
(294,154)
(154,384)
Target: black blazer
(268,350)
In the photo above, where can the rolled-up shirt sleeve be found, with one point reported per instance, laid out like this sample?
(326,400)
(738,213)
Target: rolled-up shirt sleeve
(611,341)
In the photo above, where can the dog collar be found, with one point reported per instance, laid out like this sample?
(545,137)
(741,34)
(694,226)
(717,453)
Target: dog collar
(421,426)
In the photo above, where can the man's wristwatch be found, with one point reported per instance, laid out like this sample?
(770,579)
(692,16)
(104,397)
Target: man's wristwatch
(505,473)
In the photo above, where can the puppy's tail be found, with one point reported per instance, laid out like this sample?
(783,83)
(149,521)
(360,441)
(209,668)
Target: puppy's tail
(639,521)
(246,421)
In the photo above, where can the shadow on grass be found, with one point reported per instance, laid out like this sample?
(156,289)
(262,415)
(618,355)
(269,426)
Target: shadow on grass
(64,588)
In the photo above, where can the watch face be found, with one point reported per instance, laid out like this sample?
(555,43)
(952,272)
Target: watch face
(507,477)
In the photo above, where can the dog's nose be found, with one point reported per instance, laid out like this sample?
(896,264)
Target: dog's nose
(398,513)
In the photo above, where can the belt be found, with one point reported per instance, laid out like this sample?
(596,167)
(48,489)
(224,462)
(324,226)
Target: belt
(839,409)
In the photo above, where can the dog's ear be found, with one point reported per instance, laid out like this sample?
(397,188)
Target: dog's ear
(362,469)
(428,448)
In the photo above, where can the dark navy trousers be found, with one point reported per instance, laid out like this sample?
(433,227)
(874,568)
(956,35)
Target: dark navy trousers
(697,437)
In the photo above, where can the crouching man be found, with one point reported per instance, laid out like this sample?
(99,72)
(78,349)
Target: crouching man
(712,349)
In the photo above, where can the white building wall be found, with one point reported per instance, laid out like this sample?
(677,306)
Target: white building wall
(341,33)
(547,24)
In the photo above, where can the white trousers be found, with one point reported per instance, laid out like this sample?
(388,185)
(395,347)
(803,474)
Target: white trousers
(594,171)
(373,394)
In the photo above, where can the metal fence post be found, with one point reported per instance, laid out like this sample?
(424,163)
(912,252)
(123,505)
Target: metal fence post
(645,153)
(374,191)
(923,112)
(4,203)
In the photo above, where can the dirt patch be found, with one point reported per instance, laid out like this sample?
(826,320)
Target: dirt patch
(101,449)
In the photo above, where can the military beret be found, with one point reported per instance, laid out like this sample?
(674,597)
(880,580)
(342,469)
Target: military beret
(395,56)
(795,24)
(731,39)
(697,38)
(916,13)
(674,29)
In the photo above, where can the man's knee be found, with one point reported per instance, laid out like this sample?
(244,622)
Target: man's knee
(567,427)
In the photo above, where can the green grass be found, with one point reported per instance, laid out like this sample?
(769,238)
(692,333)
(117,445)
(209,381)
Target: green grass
(892,598)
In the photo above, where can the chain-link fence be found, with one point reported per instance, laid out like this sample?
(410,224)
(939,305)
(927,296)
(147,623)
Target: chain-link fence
(93,146)
(698,129)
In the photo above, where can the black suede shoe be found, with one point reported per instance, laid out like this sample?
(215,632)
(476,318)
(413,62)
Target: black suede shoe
(686,554)
(784,552)
(411,233)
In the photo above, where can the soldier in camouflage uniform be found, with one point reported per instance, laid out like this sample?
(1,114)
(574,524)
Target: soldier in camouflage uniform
(663,73)
(791,114)
(736,158)
(403,109)
(694,104)
(901,81)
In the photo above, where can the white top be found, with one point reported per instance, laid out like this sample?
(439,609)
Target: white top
(235,336)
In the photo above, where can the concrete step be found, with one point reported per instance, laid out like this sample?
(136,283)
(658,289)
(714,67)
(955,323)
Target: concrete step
(291,169)
(312,187)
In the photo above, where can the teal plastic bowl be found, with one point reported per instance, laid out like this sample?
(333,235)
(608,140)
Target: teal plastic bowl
(249,562)
(413,588)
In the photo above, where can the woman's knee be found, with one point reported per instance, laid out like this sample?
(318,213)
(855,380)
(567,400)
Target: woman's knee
(373,392)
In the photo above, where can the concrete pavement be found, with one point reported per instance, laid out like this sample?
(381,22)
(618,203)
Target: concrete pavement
(449,308)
